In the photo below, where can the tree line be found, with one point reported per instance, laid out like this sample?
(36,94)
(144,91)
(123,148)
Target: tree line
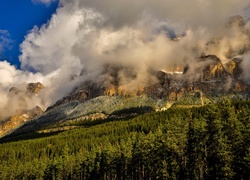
(209,142)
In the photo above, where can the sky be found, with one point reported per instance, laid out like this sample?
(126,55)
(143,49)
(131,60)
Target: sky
(17,18)
(65,43)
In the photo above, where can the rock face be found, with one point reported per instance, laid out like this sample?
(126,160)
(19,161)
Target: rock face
(211,78)
(34,88)
(22,113)
(17,120)
(208,75)
(31,88)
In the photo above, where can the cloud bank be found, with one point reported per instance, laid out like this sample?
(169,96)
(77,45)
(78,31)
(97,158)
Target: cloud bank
(84,37)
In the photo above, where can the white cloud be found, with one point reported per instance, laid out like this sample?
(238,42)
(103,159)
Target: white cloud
(5,40)
(88,34)
(12,77)
(49,48)
(192,13)
(47,2)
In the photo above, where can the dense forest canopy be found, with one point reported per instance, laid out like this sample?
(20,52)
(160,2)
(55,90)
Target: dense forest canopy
(209,142)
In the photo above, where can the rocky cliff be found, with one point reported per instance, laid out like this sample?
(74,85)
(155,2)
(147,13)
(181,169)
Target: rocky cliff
(180,85)
(22,114)
(211,78)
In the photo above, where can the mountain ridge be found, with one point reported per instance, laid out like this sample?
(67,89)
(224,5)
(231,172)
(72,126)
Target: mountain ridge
(211,83)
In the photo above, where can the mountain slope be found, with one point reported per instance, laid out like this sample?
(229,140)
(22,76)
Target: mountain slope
(22,111)
(209,142)
(209,82)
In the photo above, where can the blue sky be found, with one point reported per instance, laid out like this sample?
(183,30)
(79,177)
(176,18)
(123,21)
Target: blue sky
(17,17)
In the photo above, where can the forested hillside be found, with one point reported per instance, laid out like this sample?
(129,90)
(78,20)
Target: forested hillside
(209,142)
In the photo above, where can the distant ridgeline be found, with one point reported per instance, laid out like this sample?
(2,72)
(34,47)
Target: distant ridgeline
(179,86)
(211,80)
(208,142)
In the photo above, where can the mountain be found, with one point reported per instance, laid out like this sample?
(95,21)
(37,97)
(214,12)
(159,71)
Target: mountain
(180,86)
(208,142)
(120,91)
(23,114)
(210,78)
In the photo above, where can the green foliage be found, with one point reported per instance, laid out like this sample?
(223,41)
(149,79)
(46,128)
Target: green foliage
(209,142)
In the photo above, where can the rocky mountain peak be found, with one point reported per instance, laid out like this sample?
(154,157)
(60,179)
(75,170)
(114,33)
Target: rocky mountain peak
(211,77)
(214,69)
(15,121)
(234,67)
(31,88)
(34,88)
(175,85)
(22,112)
(236,20)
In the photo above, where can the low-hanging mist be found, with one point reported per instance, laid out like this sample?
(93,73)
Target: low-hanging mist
(84,36)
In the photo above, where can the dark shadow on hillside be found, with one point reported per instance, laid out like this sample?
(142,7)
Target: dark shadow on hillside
(27,136)
(120,115)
